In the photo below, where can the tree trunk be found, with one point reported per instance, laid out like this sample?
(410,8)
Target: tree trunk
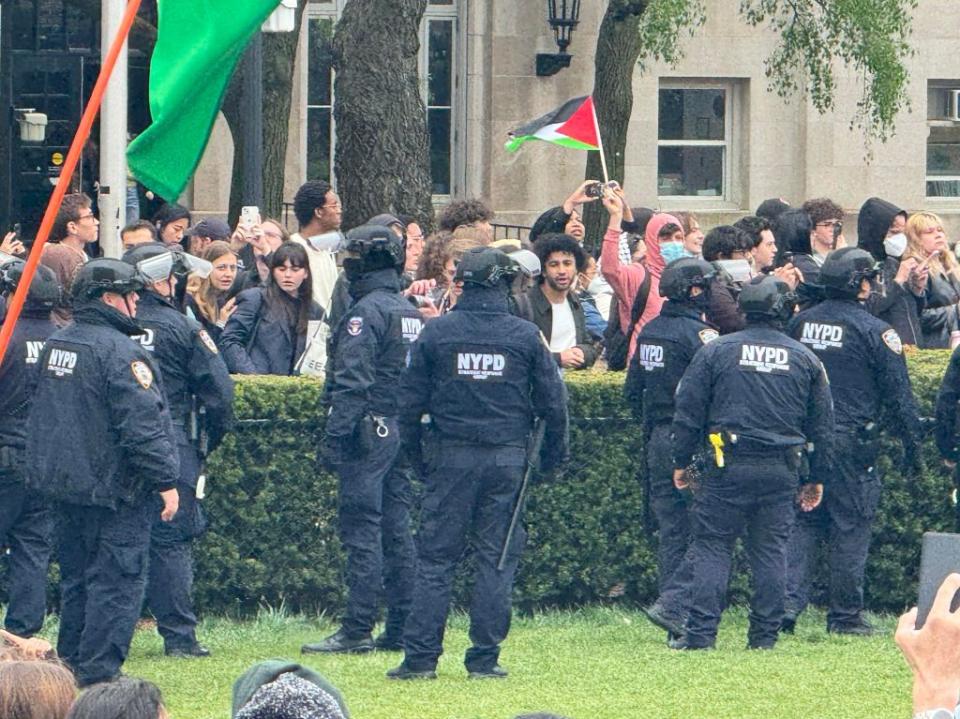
(618,47)
(232,102)
(382,158)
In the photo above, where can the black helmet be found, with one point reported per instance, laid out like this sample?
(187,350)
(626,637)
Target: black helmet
(680,275)
(372,247)
(768,297)
(486,267)
(45,291)
(105,275)
(844,270)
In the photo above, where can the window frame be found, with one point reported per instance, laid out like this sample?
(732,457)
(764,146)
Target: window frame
(730,174)
(934,85)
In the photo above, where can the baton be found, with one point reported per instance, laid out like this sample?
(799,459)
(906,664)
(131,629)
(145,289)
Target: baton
(533,455)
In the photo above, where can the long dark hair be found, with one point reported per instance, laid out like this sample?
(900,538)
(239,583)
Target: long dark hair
(279,303)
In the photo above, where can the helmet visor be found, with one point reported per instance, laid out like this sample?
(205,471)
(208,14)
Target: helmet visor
(156,268)
(528,262)
(196,265)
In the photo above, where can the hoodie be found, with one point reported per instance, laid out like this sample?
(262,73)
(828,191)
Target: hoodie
(874,220)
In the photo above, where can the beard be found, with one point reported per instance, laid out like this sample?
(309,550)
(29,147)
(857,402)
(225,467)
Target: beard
(558,287)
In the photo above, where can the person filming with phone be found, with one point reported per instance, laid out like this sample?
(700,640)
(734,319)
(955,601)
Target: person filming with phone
(928,244)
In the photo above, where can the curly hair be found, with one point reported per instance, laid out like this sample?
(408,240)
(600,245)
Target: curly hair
(753,225)
(434,257)
(70,210)
(822,209)
(721,242)
(557,242)
(464,212)
(309,197)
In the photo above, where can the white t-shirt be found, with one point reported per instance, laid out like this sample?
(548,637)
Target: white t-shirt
(323,271)
(563,333)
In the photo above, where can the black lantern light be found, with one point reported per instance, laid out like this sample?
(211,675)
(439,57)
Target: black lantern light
(563,16)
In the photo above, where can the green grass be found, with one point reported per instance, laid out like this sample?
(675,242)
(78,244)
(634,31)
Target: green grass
(592,664)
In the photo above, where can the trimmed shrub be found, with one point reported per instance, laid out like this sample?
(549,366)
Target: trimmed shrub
(273,536)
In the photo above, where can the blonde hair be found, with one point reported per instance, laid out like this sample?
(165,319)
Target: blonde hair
(35,690)
(943,264)
(203,292)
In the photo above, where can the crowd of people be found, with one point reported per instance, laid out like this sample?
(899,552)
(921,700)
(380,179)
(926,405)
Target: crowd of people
(762,361)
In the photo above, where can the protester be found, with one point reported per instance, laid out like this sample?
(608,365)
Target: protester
(259,243)
(469,214)
(827,234)
(267,332)
(692,234)
(16,649)
(198,237)
(556,310)
(725,244)
(595,322)
(75,227)
(122,698)
(881,231)
(35,690)
(436,263)
(138,233)
(927,244)
(171,221)
(263,674)
(319,214)
(792,231)
(413,247)
(208,300)
(771,209)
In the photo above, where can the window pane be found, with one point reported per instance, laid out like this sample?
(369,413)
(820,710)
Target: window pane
(692,115)
(319,156)
(439,69)
(439,125)
(51,33)
(690,171)
(319,61)
(441,2)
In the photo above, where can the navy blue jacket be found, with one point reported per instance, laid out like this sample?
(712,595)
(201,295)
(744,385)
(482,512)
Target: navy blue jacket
(864,360)
(258,341)
(947,427)
(665,347)
(368,351)
(99,432)
(190,364)
(482,375)
(761,385)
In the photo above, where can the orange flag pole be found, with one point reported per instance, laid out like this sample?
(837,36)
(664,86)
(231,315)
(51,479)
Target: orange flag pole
(70,164)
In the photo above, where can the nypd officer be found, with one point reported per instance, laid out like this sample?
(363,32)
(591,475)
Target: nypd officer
(367,354)
(754,399)
(199,391)
(483,376)
(665,347)
(99,440)
(26,522)
(864,359)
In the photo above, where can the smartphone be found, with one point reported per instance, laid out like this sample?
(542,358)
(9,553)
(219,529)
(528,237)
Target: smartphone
(250,215)
(594,190)
(939,557)
(16,230)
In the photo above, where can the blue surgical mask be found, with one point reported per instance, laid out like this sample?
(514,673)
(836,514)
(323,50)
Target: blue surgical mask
(671,251)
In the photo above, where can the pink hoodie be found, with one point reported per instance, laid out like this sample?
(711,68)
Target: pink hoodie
(627,279)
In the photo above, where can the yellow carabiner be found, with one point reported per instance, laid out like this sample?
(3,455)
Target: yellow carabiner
(716,439)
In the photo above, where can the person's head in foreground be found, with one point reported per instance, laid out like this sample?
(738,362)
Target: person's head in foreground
(122,698)
(280,689)
(35,690)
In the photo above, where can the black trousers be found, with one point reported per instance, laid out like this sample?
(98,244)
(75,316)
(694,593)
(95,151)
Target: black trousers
(844,519)
(753,497)
(471,492)
(26,530)
(170,579)
(375,498)
(103,573)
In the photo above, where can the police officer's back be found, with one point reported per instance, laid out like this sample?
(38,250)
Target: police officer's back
(753,399)
(99,442)
(665,347)
(483,376)
(26,524)
(863,356)
(199,394)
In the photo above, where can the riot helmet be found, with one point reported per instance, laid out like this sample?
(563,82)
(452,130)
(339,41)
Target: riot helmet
(106,274)
(844,271)
(681,275)
(157,261)
(370,248)
(767,297)
(486,267)
(45,290)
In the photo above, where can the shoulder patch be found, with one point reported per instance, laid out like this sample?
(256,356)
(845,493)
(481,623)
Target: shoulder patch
(708,335)
(142,373)
(354,326)
(208,341)
(892,340)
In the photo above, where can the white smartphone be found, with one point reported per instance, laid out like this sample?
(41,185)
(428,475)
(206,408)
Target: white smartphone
(249,215)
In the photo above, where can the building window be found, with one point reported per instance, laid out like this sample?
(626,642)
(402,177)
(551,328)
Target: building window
(943,140)
(439,89)
(693,141)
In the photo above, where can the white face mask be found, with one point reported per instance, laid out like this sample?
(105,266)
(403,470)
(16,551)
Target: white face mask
(895,245)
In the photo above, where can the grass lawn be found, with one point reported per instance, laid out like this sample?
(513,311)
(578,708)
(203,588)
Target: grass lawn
(592,664)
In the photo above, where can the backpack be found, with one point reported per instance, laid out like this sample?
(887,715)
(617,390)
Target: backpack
(615,340)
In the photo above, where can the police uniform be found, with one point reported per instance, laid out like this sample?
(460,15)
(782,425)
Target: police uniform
(755,398)
(99,442)
(483,376)
(26,522)
(361,441)
(192,369)
(665,347)
(864,360)
(948,415)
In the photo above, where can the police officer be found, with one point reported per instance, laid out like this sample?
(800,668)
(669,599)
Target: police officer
(864,359)
(754,399)
(367,354)
(947,429)
(26,522)
(99,441)
(665,347)
(482,375)
(199,394)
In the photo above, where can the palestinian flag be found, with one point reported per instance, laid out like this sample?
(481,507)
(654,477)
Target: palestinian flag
(573,125)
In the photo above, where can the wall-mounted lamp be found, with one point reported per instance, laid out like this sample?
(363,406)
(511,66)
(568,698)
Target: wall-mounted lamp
(563,16)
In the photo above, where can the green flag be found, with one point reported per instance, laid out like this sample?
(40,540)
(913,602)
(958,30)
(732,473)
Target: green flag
(199,43)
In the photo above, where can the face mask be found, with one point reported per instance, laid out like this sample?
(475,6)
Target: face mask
(671,251)
(597,285)
(895,245)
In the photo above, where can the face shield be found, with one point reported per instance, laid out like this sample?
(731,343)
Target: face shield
(195,265)
(157,268)
(330,241)
(529,263)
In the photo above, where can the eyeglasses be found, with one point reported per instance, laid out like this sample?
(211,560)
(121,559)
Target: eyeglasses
(84,217)
(831,223)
